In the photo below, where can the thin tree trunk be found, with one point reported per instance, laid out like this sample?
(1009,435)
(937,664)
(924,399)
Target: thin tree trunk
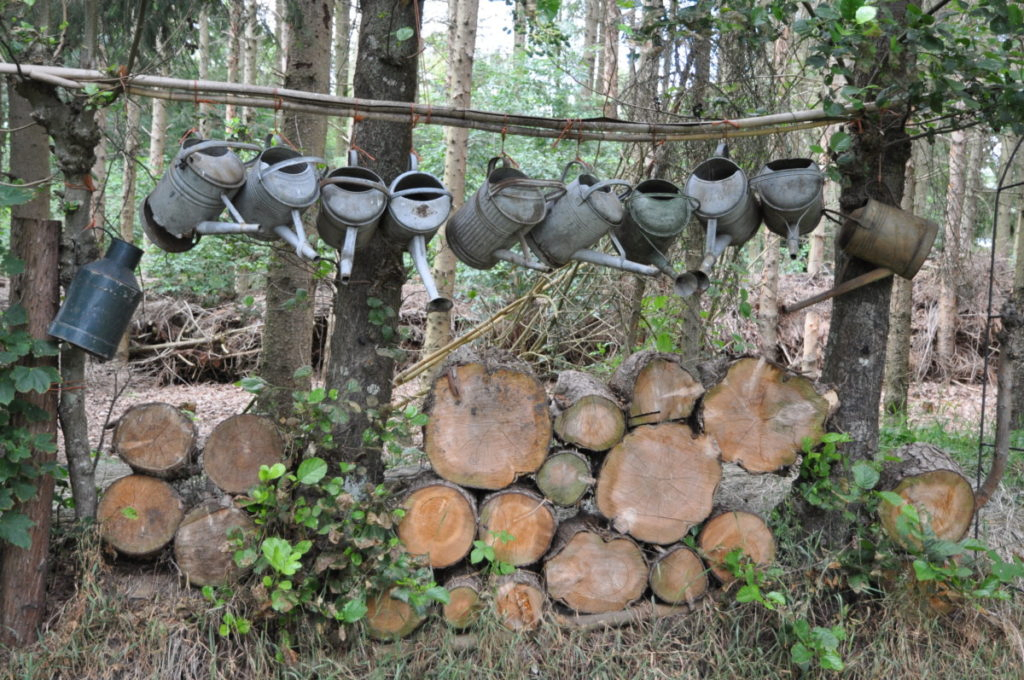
(205,114)
(133,111)
(945,342)
(235,28)
(1017,415)
(610,50)
(249,66)
(99,173)
(768,300)
(590,45)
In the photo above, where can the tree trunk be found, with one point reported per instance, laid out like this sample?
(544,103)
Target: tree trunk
(203,549)
(155,439)
(363,348)
(593,571)
(734,530)
(235,58)
(768,300)
(342,46)
(138,515)
(565,478)
(440,522)
(519,600)
(945,340)
(610,59)
(658,482)
(812,318)
(1017,417)
(591,47)
(205,123)
(130,172)
(158,107)
(250,48)
(236,449)
(98,211)
(678,576)
(586,412)
(518,524)
(657,387)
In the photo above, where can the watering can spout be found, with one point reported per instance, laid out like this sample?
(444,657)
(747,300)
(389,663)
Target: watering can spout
(208,227)
(690,283)
(418,251)
(347,255)
(302,248)
(614,261)
(793,241)
(517,259)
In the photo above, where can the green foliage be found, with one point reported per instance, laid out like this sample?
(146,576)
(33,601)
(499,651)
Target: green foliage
(822,488)
(483,552)
(208,273)
(816,645)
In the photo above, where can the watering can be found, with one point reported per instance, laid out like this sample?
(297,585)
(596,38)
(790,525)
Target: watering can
(896,241)
(278,187)
(198,185)
(506,206)
(419,205)
(656,213)
(791,199)
(578,219)
(728,209)
(352,200)
(100,301)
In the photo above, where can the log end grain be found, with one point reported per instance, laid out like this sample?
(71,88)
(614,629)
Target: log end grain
(734,530)
(593,422)
(564,478)
(237,448)
(944,501)
(658,388)
(518,524)
(678,576)
(388,618)
(519,601)
(465,601)
(439,522)
(155,439)
(138,515)
(202,547)
(592,575)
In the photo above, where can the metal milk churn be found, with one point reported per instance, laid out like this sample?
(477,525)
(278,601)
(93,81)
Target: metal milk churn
(278,187)
(100,301)
(506,206)
(419,205)
(578,219)
(657,211)
(198,185)
(791,198)
(728,209)
(352,200)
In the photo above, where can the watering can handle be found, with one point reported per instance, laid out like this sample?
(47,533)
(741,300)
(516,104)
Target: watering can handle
(368,183)
(557,187)
(722,149)
(215,144)
(313,160)
(605,183)
(353,158)
(828,212)
(575,161)
(493,164)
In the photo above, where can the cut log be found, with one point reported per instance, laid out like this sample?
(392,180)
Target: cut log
(733,530)
(760,416)
(465,601)
(759,494)
(488,424)
(587,414)
(202,547)
(519,600)
(518,524)
(564,478)
(138,515)
(594,571)
(388,618)
(658,482)
(926,477)
(236,449)
(439,521)
(657,387)
(155,439)
(678,576)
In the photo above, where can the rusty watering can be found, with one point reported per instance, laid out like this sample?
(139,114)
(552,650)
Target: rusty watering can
(198,185)
(419,205)
(100,301)
(728,209)
(895,240)
(656,213)
(278,187)
(505,207)
(352,201)
(578,219)
(791,198)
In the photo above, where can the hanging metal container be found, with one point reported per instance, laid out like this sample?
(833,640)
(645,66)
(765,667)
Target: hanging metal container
(278,187)
(419,205)
(791,198)
(188,198)
(100,301)
(352,201)
(506,206)
(728,209)
(578,219)
(657,211)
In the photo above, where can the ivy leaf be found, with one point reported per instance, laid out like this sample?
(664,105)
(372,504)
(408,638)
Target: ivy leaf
(840,142)
(32,379)
(800,655)
(353,611)
(6,392)
(865,475)
(311,470)
(14,528)
(865,14)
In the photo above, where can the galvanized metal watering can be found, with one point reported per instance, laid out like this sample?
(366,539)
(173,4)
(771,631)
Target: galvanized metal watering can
(278,187)
(198,185)
(100,301)
(657,211)
(352,201)
(728,209)
(419,205)
(505,207)
(791,198)
(578,219)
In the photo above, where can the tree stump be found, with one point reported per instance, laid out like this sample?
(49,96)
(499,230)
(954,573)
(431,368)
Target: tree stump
(564,478)
(593,571)
(390,619)
(489,423)
(658,482)
(519,600)
(926,477)
(202,549)
(678,576)
(439,521)
(760,416)
(155,439)
(657,387)
(236,449)
(587,414)
(728,531)
(518,524)
(464,600)
(138,515)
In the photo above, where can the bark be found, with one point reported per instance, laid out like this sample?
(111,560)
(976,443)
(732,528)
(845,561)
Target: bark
(363,349)
(390,619)
(678,576)
(734,530)
(342,46)
(98,213)
(203,550)
(158,108)
(235,59)
(591,48)
(768,300)
(519,600)
(810,355)
(130,155)
(288,324)
(236,449)
(138,515)
(205,114)
(610,59)
(440,522)
(249,65)
(952,242)
(657,386)
(658,482)
(586,412)
(518,524)
(1017,368)
(565,478)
